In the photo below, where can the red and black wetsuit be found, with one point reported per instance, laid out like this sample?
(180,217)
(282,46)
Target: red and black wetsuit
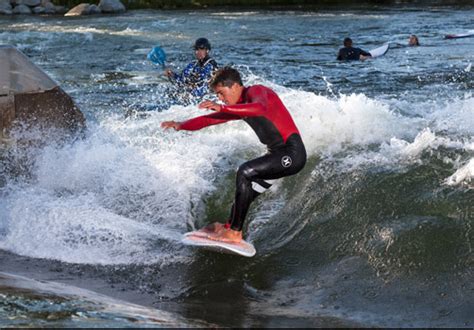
(262,109)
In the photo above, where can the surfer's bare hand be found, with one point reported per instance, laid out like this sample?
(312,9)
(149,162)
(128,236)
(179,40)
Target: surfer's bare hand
(168,72)
(171,124)
(210,105)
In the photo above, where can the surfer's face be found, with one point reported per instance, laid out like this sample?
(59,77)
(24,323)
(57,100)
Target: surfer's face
(201,53)
(229,95)
(413,41)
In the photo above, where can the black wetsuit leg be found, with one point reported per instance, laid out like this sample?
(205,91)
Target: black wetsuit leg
(251,176)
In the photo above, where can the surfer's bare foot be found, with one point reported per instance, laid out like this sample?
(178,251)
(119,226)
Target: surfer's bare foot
(226,235)
(209,229)
(212,228)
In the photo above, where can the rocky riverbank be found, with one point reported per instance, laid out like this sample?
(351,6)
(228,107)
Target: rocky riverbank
(47,7)
(189,4)
(90,7)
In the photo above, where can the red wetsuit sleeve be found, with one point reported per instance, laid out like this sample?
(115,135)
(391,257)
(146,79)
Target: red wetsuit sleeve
(257,104)
(244,110)
(197,123)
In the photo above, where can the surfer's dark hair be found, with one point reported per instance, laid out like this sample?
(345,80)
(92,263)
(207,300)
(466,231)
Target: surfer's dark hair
(347,42)
(226,77)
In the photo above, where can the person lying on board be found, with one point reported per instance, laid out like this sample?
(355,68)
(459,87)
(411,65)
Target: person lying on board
(349,53)
(261,108)
(196,75)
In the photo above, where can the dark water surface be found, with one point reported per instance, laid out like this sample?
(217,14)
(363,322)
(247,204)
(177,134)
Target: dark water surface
(376,230)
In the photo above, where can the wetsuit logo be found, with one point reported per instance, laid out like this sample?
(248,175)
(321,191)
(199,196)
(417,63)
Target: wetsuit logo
(286,161)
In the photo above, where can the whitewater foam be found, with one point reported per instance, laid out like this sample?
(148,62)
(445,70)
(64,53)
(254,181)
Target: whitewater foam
(111,197)
(130,189)
(465,174)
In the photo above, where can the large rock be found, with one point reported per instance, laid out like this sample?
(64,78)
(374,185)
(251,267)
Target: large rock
(6,7)
(111,6)
(30,99)
(79,10)
(83,9)
(29,3)
(94,9)
(60,10)
(38,10)
(22,10)
(51,8)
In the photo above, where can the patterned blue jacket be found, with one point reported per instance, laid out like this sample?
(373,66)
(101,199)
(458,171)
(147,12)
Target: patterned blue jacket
(196,76)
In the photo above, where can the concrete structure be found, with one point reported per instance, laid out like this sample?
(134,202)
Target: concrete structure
(29,97)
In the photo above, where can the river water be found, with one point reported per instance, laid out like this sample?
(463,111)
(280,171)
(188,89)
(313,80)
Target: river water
(375,231)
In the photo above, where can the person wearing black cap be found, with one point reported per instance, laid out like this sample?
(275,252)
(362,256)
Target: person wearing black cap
(349,53)
(197,74)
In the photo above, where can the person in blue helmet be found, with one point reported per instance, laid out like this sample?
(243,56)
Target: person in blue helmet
(196,75)
(349,53)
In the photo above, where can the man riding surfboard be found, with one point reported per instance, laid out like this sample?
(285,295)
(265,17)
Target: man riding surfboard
(262,109)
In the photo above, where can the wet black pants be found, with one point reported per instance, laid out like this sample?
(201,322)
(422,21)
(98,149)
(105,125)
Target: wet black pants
(253,176)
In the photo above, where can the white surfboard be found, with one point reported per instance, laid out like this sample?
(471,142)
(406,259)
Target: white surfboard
(242,248)
(457,36)
(379,51)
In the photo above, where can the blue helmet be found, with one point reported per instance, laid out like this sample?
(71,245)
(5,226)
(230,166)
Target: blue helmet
(202,43)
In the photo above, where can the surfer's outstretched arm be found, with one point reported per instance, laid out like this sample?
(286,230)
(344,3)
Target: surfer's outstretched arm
(197,123)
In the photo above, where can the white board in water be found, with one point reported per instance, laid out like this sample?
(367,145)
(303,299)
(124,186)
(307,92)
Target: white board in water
(242,248)
(379,51)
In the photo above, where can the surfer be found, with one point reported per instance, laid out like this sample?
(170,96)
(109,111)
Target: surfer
(261,108)
(349,53)
(413,41)
(196,75)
